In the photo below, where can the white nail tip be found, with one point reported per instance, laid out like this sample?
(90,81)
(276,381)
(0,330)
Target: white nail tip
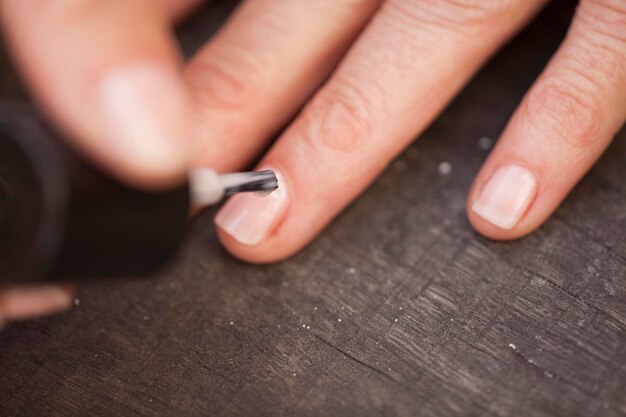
(506,196)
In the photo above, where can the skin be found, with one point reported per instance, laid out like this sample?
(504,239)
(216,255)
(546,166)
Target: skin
(356,78)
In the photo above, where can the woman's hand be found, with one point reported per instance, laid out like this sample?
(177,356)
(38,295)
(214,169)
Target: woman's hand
(399,63)
(378,72)
(109,73)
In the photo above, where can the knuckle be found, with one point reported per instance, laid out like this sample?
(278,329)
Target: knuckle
(605,17)
(593,62)
(338,122)
(454,13)
(227,80)
(566,110)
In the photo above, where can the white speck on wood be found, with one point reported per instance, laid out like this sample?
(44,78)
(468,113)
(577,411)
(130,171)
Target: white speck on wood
(485,143)
(512,346)
(445,168)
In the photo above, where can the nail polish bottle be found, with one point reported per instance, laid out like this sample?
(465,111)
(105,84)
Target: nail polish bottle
(62,218)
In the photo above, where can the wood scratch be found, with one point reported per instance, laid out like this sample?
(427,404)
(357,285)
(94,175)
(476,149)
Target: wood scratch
(357,360)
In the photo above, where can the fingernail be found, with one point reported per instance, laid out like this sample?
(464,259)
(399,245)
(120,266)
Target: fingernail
(251,218)
(24,302)
(145,114)
(506,196)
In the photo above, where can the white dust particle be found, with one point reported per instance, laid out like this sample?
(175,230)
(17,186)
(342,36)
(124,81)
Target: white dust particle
(339,320)
(150,400)
(146,318)
(77,302)
(548,374)
(231,323)
(294,374)
(308,327)
(351,270)
(399,166)
(315,308)
(95,355)
(485,143)
(395,320)
(445,168)
(389,369)
(279,326)
(512,346)
(400,308)
(304,326)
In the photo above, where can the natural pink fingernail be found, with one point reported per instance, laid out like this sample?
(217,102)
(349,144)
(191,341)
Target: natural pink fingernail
(251,218)
(146,120)
(506,196)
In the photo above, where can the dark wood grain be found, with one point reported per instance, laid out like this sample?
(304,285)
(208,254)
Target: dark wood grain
(398,308)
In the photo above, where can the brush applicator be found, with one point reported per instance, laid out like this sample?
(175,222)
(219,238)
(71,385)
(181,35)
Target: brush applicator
(61,218)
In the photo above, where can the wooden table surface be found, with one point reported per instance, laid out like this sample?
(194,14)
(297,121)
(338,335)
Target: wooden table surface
(398,308)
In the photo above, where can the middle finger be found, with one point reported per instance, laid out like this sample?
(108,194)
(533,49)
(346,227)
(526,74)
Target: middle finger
(262,66)
(407,65)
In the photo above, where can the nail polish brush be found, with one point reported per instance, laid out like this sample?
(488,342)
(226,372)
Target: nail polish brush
(62,218)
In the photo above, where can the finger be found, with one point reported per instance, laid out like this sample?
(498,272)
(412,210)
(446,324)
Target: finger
(257,72)
(31,301)
(408,64)
(561,128)
(108,72)
(178,9)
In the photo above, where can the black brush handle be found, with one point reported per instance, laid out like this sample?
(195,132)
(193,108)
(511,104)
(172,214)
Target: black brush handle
(63,219)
